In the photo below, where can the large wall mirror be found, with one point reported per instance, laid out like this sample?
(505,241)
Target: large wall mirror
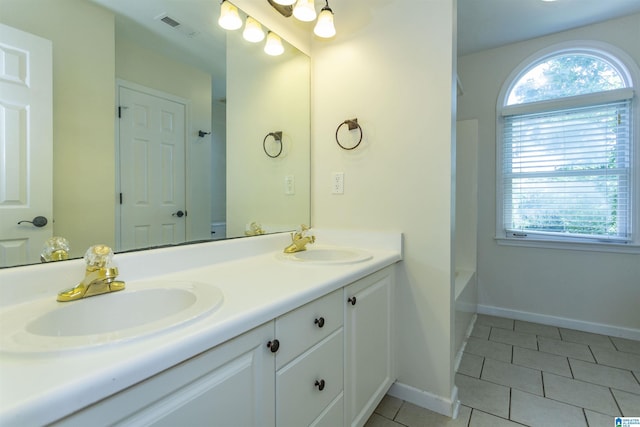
(192,156)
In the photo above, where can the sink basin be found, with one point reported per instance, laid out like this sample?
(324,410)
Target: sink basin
(327,255)
(141,310)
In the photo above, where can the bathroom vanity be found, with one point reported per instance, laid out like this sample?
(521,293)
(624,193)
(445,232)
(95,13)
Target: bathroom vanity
(299,341)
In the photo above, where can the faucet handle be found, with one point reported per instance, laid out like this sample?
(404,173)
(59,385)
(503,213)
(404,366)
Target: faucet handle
(55,249)
(98,256)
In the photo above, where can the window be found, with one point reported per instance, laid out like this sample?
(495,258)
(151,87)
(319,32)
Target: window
(566,166)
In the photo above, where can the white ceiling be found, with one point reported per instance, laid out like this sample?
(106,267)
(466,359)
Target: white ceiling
(485,24)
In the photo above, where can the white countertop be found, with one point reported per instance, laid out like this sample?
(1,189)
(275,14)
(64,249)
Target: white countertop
(36,389)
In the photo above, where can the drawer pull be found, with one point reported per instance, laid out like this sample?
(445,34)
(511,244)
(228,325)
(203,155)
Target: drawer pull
(320,384)
(273,345)
(352,300)
(319,321)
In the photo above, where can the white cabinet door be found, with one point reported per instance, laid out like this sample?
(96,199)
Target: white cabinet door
(231,385)
(369,370)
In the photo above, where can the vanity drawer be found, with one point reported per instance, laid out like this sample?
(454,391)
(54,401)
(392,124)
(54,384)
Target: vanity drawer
(302,328)
(310,384)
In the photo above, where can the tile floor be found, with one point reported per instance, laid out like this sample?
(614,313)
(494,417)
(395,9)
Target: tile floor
(517,373)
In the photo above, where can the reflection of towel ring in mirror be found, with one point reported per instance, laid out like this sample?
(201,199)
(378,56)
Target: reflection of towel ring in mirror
(277,136)
(351,124)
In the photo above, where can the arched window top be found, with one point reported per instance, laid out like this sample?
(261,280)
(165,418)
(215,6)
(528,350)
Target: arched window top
(566,74)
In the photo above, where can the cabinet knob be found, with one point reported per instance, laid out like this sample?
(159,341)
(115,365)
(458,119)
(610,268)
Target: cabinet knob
(273,345)
(319,321)
(320,384)
(352,300)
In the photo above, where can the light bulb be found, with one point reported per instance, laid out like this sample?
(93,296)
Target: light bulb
(229,17)
(324,27)
(305,10)
(285,2)
(273,45)
(253,31)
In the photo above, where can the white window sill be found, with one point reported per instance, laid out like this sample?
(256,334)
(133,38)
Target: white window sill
(627,248)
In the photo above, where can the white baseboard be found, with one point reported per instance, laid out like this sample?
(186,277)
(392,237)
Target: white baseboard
(562,322)
(439,404)
(460,352)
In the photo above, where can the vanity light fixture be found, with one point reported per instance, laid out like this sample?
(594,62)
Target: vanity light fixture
(252,31)
(305,10)
(324,26)
(229,17)
(273,45)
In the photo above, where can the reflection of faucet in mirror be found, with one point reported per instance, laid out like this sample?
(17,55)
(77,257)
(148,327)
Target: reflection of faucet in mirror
(299,240)
(255,229)
(55,249)
(99,276)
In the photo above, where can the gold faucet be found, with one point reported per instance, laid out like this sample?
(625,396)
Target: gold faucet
(255,229)
(299,240)
(55,249)
(100,276)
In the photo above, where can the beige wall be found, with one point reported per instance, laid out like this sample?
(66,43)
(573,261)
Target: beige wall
(137,64)
(279,101)
(83,104)
(391,66)
(582,289)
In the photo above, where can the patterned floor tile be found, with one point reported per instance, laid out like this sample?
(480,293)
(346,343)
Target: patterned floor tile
(514,338)
(579,393)
(562,348)
(471,365)
(536,411)
(587,338)
(617,359)
(483,395)
(498,322)
(604,375)
(537,329)
(493,350)
(507,374)
(629,403)
(546,362)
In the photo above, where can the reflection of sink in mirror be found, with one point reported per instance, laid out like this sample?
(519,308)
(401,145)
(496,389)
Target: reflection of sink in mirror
(139,311)
(327,255)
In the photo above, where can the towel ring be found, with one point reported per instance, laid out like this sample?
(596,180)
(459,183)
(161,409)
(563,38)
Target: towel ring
(351,124)
(277,136)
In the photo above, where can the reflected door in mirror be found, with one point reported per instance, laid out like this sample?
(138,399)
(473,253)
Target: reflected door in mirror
(152,170)
(26,145)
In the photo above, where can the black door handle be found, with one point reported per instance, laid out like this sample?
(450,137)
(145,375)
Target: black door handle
(179,214)
(38,221)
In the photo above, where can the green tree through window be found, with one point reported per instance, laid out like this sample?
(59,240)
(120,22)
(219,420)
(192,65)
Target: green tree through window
(565,75)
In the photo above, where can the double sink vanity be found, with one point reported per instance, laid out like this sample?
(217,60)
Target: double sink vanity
(230,333)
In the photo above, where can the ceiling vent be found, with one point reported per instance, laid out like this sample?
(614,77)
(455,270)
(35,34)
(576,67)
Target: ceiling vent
(174,24)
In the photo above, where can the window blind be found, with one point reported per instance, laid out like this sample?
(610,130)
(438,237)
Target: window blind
(568,173)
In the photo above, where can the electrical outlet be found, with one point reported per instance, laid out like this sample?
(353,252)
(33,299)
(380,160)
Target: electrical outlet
(337,183)
(289,185)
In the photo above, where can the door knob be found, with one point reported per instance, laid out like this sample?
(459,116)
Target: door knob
(179,214)
(38,221)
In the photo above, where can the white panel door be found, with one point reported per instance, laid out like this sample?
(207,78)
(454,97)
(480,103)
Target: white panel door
(26,144)
(152,170)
